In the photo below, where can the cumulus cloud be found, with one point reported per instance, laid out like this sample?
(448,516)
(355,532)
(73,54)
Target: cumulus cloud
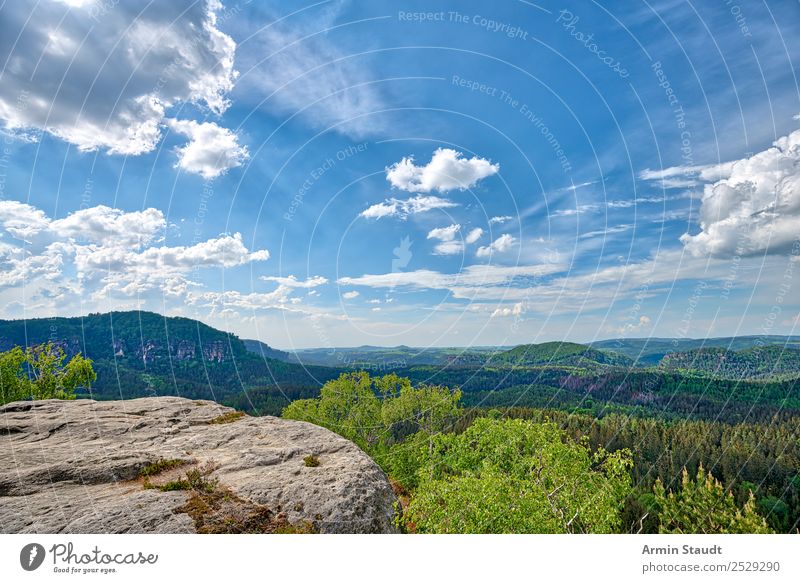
(447,236)
(755,209)
(445,233)
(473,236)
(447,170)
(448,244)
(99,224)
(212,150)
(393,207)
(500,245)
(350,295)
(630,327)
(103,75)
(504,312)
(101,252)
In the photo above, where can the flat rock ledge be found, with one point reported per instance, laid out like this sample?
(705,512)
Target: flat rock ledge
(173,465)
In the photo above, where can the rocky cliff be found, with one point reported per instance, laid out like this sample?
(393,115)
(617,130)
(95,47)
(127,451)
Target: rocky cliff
(172,465)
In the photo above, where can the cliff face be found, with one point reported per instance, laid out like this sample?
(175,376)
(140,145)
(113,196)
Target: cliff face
(172,465)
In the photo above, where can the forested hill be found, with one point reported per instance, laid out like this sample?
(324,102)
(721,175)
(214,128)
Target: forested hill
(559,353)
(761,362)
(143,336)
(144,354)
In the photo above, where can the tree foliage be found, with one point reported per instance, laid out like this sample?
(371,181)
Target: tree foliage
(702,506)
(378,412)
(40,373)
(516,476)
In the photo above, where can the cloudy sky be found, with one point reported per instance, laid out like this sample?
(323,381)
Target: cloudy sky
(422,173)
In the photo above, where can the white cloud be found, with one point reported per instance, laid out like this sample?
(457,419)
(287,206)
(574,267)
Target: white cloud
(99,224)
(447,235)
(449,248)
(570,212)
(504,312)
(500,245)
(22,221)
(756,208)
(292,282)
(102,76)
(500,220)
(105,225)
(403,208)
(447,170)
(212,150)
(683,176)
(495,280)
(350,295)
(444,233)
(100,252)
(630,327)
(473,236)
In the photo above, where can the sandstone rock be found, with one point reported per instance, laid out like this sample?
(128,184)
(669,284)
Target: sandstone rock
(75,467)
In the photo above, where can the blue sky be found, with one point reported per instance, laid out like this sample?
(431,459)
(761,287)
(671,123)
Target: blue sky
(420,173)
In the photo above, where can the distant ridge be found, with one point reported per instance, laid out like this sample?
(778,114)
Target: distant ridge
(560,353)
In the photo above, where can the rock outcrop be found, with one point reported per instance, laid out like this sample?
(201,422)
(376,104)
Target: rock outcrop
(173,465)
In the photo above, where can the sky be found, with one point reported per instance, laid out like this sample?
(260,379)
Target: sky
(320,174)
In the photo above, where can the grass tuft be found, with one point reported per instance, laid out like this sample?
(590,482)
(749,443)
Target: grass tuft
(159,466)
(228,417)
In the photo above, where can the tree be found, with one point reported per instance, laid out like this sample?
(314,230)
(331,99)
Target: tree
(428,408)
(702,506)
(516,476)
(348,406)
(40,373)
(386,416)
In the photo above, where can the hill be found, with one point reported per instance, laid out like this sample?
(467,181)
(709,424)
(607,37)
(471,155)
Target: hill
(137,354)
(266,351)
(558,353)
(649,351)
(763,362)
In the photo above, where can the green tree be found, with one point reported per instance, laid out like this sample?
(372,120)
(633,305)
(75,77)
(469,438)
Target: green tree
(427,408)
(14,383)
(516,476)
(386,416)
(348,406)
(40,373)
(702,506)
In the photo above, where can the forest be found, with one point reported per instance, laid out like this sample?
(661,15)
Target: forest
(702,440)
